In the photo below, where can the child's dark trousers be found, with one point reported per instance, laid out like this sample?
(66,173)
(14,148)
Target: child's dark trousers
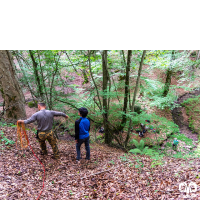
(87,148)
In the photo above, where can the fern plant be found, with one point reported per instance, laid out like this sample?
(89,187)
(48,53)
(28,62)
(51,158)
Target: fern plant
(139,146)
(140,149)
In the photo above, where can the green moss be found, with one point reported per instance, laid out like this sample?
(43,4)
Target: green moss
(13,108)
(13,98)
(199,137)
(1,90)
(192,110)
(32,104)
(191,123)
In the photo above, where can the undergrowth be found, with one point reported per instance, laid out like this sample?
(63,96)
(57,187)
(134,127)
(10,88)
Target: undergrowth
(192,110)
(5,140)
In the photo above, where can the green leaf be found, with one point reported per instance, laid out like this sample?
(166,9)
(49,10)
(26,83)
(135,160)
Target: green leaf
(135,143)
(141,146)
(135,151)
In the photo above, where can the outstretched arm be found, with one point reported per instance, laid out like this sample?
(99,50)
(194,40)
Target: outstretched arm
(55,113)
(29,120)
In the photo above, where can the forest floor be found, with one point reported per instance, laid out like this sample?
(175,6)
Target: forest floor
(110,174)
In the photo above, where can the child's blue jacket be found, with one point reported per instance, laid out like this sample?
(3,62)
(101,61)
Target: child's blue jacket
(82,128)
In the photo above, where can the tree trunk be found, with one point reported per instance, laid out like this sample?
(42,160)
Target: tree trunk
(43,82)
(91,74)
(52,83)
(35,69)
(134,97)
(123,122)
(10,89)
(197,56)
(168,79)
(1,90)
(21,65)
(123,62)
(108,137)
(85,73)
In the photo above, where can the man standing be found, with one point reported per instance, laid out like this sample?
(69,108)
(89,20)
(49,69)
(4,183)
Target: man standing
(44,120)
(82,128)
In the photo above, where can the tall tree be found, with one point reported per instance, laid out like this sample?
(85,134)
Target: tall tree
(108,136)
(126,93)
(10,89)
(1,90)
(168,78)
(134,96)
(35,68)
(198,53)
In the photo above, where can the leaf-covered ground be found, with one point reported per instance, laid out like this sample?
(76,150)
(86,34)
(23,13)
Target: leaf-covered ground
(109,175)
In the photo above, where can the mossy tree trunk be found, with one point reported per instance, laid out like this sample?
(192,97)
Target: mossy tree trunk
(167,82)
(126,93)
(168,78)
(198,53)
(10,89)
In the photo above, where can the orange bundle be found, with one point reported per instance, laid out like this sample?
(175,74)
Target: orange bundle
(22,137)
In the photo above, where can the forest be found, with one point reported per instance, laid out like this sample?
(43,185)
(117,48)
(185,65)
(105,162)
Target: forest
(143,109)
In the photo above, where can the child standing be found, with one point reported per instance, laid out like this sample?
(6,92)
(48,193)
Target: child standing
(175,143)
(82,128)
